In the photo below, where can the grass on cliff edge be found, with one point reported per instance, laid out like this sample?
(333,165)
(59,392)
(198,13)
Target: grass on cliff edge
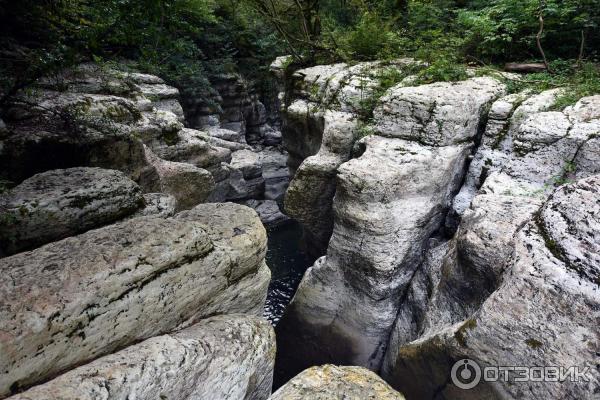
(577,81)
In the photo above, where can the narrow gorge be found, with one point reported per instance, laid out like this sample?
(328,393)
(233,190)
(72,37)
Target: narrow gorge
(150,242)
(463,226)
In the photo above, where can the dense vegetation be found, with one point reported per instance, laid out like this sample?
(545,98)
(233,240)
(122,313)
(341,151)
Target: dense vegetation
(188,41)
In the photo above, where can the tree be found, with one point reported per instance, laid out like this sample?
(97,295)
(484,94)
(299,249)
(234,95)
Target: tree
(297,21)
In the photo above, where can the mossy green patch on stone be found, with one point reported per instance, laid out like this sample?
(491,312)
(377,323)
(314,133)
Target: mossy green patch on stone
(459,335)
(81,202)
(171,138)
(533,343)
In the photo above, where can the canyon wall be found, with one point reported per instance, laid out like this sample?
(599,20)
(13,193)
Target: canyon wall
(445,221)
(120,281)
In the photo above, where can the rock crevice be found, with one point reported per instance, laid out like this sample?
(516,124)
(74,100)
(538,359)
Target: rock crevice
(432,220)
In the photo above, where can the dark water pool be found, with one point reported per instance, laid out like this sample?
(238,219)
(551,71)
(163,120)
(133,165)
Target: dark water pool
(288,263)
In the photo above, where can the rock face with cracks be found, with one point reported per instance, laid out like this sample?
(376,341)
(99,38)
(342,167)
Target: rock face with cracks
(89,295)
(97,117)
(544,313)
(388,203)
(223,357)
(60,203)
(320,127)
(494,276)
(121,311)
(496,261)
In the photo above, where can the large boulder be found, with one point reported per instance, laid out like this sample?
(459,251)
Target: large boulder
(60,203)
(189,184)
(486,274)
(86,296)
(439,114)
(223,357)
(331,382)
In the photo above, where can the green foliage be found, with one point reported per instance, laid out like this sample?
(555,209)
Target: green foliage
(442,70)
(369,39)
(506,29)
(575,81)
(189,41)
(445,32)
(364,129)
(584,82)
(386,78)
(183,41)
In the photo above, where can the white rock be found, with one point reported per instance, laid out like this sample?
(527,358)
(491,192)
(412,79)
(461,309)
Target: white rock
(224,357)
(438,114)
(158,91)
(189,185)
(64,202)
(309,196)
(540,130)
(544,313)
(89,295)
(347,302)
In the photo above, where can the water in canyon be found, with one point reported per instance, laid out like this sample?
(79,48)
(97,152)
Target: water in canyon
(288,262)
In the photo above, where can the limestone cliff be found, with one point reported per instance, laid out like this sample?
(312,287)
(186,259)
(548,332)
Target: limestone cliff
(435,223)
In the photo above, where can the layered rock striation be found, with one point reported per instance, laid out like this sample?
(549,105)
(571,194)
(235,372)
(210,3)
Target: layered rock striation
(91,116)
(462,226)
(60,203)
(74,300)
(224,357)
(388,202)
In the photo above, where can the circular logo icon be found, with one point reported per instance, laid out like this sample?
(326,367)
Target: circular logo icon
(466,374)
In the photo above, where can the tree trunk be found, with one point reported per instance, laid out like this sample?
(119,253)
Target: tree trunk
(539,34)
(581,48)
(525,67)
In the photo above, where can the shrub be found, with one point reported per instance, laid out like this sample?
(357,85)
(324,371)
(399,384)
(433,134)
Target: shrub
(442,70)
